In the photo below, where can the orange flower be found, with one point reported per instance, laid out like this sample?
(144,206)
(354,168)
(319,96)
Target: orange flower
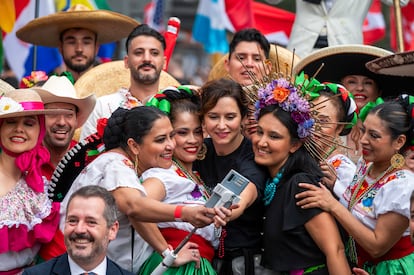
(280,94)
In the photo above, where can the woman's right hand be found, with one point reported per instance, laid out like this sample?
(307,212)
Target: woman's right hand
(189,253)
(199,216)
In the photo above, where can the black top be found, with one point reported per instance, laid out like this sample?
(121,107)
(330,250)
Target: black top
(245,231)
(288,246)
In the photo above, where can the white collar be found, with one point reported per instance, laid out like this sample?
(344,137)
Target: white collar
(75,269)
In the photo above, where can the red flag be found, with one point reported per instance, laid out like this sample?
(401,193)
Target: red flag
(407,16)
(240,13)
(374,24)
(276,24)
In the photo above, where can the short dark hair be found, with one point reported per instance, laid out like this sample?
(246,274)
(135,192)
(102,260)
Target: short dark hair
(250,35)
(95,191)
(145,30)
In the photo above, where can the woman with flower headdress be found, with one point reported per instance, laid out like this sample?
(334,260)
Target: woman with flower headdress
(28,218)
(180,184)
(336,115)
(223,107)
(284,143)
(374,209)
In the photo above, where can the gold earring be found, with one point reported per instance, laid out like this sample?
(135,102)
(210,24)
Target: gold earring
(202,153)
(397,161)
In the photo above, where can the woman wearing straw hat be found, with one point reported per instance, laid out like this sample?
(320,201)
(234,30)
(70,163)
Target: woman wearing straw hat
(346,65)
(27,217)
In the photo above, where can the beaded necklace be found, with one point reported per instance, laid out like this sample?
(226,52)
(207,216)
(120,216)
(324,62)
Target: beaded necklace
(199,189)
(271,186)
(359,192)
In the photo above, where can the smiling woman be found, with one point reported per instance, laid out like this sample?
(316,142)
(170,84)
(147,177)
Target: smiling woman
(27,217)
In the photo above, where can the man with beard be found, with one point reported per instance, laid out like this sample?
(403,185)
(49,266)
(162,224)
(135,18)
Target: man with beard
(145,60)
(77,33)
(91,223)
(59,93)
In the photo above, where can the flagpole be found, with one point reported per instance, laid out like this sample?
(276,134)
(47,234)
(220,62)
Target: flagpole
(398,26)
(34,67)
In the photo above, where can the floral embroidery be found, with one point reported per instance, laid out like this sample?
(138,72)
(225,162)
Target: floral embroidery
(130,101)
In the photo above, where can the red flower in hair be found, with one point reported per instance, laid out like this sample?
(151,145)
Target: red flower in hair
(100,127)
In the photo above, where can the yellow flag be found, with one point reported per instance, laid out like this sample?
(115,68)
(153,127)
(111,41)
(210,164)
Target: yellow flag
(7,15)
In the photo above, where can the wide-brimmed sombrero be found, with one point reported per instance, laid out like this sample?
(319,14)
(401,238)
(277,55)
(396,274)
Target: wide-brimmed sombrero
(343,60)
(46,30)
(109,77)
(400,64)
(283,60)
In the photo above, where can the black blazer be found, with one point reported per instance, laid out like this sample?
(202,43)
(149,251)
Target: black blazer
(60,265)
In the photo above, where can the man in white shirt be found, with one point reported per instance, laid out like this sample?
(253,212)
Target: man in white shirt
(89,227)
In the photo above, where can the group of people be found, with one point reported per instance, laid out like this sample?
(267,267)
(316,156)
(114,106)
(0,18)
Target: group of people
(326,158)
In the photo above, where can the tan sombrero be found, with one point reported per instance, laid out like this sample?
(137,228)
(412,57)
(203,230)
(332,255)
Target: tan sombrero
(109,77)
(60,89)
(400,64)
(4,87)
(24,102)
(284,60)
(343,60)
(46,31)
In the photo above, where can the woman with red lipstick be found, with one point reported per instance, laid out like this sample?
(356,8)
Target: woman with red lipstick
(223,106)
(28,218)
(345,64)
(375,209)
(180,184)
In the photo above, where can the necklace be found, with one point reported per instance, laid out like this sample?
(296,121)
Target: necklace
(199,189)
(361,190)
(270,188)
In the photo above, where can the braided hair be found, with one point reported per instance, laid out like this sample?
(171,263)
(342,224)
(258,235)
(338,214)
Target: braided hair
(124,124)
(176,100)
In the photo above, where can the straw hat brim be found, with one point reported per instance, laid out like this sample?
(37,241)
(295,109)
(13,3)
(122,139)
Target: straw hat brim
(107,78)
(109,26)
(343,60)
(400,64)
(284,61)
(5,87)
(85,105)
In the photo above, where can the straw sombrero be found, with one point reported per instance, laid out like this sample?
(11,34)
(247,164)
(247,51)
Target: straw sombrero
(24,102)
(60,89)
(4,86)
(109,77)
(400,64)
(46,30)
(284,60)
(343,60)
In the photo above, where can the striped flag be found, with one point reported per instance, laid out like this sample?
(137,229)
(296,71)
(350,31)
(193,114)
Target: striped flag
(373,29)
(154,15)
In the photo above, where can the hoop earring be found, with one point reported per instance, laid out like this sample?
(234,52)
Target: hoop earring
(397,161)
(202,153)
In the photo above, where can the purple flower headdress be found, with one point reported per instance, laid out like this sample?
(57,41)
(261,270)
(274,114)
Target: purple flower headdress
(284,93)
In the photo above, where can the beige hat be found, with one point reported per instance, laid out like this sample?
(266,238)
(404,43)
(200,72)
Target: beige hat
(24,102)
(284,61)
(401,64)
(60,89)
(343,60)
(4,86)
(46,30)
(109,77)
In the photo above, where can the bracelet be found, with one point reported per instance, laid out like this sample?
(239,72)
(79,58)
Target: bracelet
(177,213)
(166,252)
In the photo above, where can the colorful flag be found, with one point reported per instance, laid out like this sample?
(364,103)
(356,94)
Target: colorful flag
(265,17)
(373,29)
(154,15)
(18,53)
(210,25)
(407,16)
(236,8)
